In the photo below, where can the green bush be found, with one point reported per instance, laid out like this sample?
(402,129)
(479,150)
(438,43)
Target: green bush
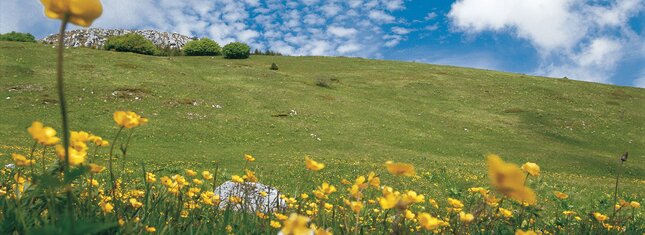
(236,50)
(202,47)
(131,43)
(273,66)
(17,37)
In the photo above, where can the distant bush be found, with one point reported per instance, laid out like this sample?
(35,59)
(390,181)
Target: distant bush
(274,66)
(17,37)
(236,50)
(266,52)
(324,81)
(202,47)
(131,43)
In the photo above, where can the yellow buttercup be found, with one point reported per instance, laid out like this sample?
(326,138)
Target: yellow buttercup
(78,12)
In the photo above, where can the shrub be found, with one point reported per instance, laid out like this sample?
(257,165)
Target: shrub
(274,66)
(202,47)
(236,50)
(17,37)
(131,43)
(325,82)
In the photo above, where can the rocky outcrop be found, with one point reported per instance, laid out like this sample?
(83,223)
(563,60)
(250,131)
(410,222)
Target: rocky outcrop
(256,197)
(96,37)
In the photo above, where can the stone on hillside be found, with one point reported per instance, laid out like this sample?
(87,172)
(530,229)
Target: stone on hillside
(252,196)
(96,37)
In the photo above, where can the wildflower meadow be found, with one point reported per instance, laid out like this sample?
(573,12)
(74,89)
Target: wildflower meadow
(71,181)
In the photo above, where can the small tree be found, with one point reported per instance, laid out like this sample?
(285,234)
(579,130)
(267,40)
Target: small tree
(202,47)
(131,43)
(17,37)
(274,66)
(236,50)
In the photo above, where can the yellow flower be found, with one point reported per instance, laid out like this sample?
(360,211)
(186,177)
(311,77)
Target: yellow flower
(183,214)
(150,229)
(93,182)
(634,204)
(296,225)
(250,176)
(107,207)
(466,217)
(400,168)
(128,119)
(531,168)
(229,228)
(373,179)
(313,165)
(249,158)
(76,157)
(521,232)
(94,168)
(325,189)
(237,179)
(80,12)
(428,221)
(455,203)
(98,141)
(599,217)
(412,197)
(569,213)
(150,177)
(280,216)
(42,134)
(197,181)
(509,179)
(275,224)
(207,175)
(134,203)
(506,213)
(190,172)
(320,231)
(389,200)
(409,215)
(560,195)
(21,160)
(356,206)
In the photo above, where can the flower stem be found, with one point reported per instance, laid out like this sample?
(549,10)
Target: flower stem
(110,161)
(63,112)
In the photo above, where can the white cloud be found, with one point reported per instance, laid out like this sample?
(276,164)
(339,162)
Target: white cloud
(341,31)
(381,16)
(430,16)
(348,47)
(569,35)
(400,30)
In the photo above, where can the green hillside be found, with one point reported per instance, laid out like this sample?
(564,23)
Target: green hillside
(439,118)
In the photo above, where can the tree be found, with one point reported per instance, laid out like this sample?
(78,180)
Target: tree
(236,50)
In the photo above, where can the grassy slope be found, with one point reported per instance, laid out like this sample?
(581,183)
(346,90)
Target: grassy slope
(437,117)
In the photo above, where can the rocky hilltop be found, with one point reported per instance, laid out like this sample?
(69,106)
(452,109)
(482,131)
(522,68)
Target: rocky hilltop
(96,37)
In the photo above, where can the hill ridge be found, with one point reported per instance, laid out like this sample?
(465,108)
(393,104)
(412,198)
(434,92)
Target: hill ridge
(96,37)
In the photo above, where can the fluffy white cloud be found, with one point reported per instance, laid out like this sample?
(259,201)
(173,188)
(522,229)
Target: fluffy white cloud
(568,34)
(381,16)
(400,30)
(341,31)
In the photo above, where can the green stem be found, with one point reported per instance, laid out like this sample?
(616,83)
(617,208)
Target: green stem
(613,206)
(63,111)
(110,161)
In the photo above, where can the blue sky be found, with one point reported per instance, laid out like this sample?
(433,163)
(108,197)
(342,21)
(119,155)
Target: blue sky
(591,40)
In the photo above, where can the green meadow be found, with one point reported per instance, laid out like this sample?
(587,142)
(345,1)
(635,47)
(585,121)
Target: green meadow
(352,114)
